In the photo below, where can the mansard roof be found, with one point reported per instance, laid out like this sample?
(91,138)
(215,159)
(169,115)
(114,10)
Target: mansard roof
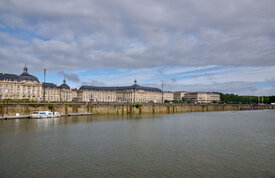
(64,85)
(49,85)
(11,77)
(124,88)
(26,76)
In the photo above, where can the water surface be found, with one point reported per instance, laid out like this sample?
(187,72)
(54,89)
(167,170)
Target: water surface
(205,144)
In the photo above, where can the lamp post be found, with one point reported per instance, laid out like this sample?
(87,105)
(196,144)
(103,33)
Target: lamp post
(42,85)
(162,92)
(135,90)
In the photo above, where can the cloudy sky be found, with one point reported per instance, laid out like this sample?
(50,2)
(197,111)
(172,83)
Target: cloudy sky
(193,45)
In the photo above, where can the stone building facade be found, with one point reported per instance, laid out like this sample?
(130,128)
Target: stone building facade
(130,94)
(202,97)
(66,93)
(168,96)
(52,92)
(179,95)
(24,86)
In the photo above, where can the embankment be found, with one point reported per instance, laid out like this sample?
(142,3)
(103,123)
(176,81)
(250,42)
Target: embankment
(24,109)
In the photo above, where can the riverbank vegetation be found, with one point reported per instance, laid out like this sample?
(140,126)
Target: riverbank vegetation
(236,99)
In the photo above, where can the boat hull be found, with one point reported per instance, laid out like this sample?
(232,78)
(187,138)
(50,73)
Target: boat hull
(44,114)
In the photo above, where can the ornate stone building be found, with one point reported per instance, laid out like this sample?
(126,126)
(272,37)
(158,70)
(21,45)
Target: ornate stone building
(24,86)
(50,92)
(132,94)
(59,93)
(67,94)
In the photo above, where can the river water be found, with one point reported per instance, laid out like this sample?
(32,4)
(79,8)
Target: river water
(203,144)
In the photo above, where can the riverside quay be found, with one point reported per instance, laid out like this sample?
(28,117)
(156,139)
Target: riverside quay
(27,86)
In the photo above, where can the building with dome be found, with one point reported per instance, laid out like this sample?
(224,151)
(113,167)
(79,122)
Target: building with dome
(24,86)
(25,76)
(134,93)
(59,93)
(66,93)
(27,86)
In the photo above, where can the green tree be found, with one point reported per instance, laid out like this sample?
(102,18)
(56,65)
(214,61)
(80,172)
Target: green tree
(50,107)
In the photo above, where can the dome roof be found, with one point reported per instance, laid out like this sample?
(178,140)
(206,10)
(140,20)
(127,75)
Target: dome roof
(64,85)
(26,76)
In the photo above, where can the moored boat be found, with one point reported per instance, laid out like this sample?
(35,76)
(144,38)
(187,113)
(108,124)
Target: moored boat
(249,108)
(44,114)
(253,107)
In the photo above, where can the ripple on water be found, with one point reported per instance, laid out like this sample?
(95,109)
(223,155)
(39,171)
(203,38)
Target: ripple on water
(213,144)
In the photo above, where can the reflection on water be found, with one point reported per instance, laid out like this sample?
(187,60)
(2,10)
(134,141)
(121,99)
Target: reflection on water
(19,125)
(212,144)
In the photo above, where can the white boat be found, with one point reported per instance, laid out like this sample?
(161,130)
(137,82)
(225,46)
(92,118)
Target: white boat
(44,114)
(56,114)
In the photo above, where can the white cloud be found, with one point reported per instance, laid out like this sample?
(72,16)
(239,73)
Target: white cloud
(236,74)
(241,80)
(95,34)
(183,41)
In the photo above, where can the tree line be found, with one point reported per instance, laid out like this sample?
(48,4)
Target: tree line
(236,99)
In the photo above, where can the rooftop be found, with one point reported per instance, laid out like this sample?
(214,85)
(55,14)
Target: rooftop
(49,85)
(64,85)
(24,76)
(11,77)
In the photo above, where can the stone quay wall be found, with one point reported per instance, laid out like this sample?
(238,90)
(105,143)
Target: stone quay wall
(26,109)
